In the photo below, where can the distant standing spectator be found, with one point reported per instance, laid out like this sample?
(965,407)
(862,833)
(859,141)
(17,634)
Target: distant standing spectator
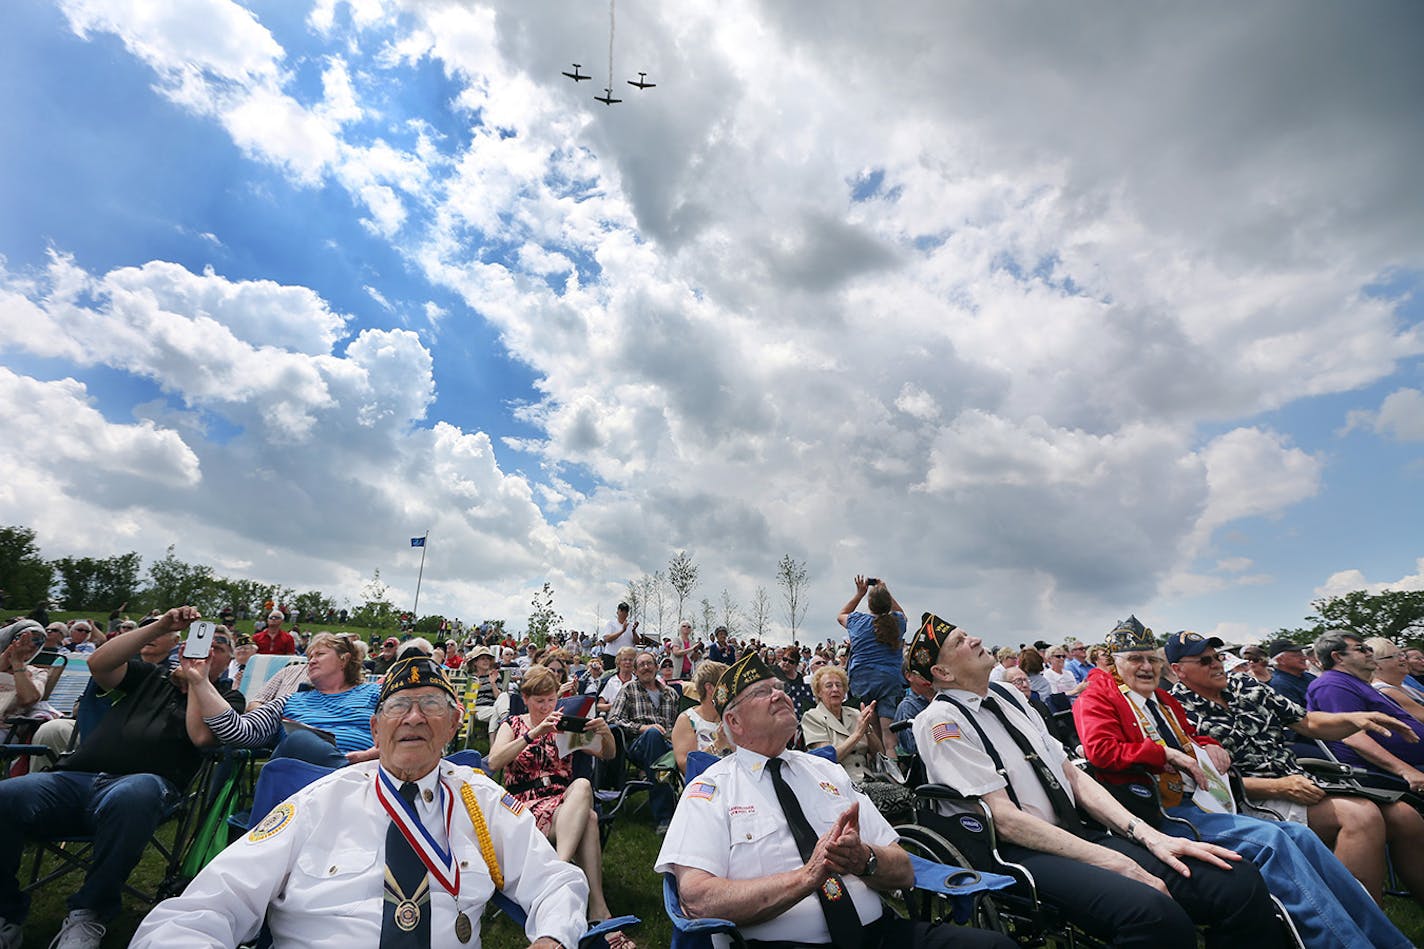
(273,640)
(877,651)
(720,650)
(617,634)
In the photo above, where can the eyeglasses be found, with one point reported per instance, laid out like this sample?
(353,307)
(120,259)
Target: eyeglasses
(762,691)
(431,706)
(1211,660)
(1360,648)
(1138,660)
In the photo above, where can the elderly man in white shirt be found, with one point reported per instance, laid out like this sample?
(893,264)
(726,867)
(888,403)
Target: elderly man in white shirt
(407,847)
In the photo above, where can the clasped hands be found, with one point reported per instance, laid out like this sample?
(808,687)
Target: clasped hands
(840,849)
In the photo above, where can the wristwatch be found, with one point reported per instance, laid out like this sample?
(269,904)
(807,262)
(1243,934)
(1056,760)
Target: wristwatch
(872,862)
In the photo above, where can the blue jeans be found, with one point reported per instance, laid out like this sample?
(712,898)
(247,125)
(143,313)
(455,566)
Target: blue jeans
(121,811)
(311,748)
(644,751)
(1327,904)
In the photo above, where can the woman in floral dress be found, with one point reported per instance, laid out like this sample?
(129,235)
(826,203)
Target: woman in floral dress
(562,805)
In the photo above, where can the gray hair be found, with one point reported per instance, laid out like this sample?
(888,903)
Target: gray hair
(1332,641)
(417,646)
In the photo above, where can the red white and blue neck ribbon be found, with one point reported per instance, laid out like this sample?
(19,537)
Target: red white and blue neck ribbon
(440,862)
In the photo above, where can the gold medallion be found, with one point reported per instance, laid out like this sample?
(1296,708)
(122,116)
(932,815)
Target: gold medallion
(464,929)
(407,915)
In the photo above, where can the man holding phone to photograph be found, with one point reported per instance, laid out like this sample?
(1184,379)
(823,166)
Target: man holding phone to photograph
(128,772)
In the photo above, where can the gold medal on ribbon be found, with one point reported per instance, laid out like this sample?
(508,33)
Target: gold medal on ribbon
(407,915)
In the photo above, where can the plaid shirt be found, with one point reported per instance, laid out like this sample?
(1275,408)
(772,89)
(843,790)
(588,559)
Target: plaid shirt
(634,706)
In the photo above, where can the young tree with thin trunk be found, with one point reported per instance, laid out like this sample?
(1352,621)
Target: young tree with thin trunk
(761,613)
(682,577)
(791,576)
(729,612)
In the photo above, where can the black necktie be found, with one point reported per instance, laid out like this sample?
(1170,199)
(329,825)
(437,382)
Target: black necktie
(841,917)
(1063,807)
(1163,728)
(405,916)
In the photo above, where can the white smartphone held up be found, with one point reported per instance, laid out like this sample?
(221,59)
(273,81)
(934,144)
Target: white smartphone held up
(200,640)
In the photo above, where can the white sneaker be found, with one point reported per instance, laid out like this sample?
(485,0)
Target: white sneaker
(11,935)
(81,930)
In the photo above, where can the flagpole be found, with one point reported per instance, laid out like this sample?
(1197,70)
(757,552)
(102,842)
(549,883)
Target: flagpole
(415,610)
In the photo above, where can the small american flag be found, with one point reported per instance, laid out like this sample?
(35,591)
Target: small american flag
(512,804)
(945,730)
(702,790)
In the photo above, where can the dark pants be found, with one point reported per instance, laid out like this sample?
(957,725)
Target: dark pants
(311,748)
(1233,903)
(121,811)
(644,751)
(892,932)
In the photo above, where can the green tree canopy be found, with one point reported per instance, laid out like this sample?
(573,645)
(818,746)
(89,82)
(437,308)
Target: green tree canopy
(98,583)
(25,577)
(1393,614)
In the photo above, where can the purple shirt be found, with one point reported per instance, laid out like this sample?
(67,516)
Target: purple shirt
(1337,691)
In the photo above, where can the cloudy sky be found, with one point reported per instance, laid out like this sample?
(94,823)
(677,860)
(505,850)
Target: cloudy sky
(1046,314)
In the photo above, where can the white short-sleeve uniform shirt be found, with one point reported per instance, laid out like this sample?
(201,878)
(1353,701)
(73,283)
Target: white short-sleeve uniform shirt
(730,824)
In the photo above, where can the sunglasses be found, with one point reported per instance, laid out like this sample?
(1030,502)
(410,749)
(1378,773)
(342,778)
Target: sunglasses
(1211,660)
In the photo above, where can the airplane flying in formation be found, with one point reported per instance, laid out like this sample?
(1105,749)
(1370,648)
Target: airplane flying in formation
(607,97)
(642,82)
(575,74)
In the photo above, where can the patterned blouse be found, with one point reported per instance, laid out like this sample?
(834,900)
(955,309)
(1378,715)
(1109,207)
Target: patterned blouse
(1253,726)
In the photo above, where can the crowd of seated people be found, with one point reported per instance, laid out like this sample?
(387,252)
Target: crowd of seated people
(1175,715)
(1129,724)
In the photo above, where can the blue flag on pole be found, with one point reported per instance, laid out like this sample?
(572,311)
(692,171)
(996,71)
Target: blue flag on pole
(417,541)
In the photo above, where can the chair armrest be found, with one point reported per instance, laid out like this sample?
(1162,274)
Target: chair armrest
(941,792)
(946,880)
(16,751)
(681,921)
(958,884)
(1324,768)
(611,925)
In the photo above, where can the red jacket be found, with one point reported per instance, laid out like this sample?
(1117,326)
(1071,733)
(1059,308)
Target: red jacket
(279,643)
(1113,741)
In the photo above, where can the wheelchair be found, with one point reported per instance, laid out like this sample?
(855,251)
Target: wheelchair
(967,837)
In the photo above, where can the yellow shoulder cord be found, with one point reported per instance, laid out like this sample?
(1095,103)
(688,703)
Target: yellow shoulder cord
(477,818)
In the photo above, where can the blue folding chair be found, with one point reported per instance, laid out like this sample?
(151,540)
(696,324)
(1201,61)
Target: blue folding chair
(957,885)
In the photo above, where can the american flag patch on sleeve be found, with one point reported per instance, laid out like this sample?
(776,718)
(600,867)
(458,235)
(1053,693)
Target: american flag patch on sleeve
(512,804)
(945,730)
(701,790)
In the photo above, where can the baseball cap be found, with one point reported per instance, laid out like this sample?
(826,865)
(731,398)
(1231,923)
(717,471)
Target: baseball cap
(1187,643)
(1277,646)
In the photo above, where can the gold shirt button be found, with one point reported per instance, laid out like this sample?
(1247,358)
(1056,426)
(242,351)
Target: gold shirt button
(332,870)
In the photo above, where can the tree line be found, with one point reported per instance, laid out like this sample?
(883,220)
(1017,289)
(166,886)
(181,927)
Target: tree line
(655,598)
(105,584)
